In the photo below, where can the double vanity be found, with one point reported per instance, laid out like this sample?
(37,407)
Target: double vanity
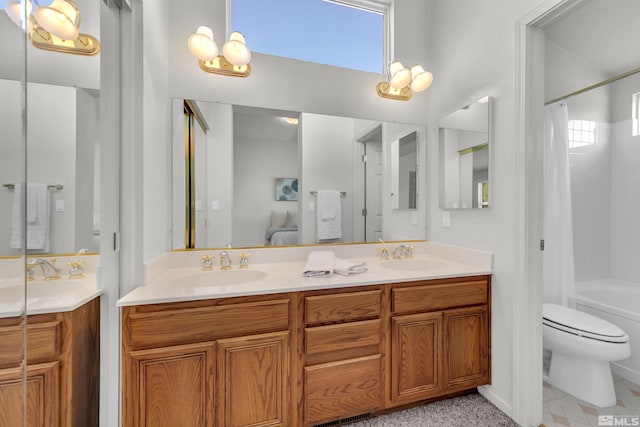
(266,346)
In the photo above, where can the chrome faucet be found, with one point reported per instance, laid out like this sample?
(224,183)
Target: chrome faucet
(225,260)
(49,270)
(400,250)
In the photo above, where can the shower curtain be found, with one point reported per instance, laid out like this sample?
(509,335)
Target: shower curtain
(558,276)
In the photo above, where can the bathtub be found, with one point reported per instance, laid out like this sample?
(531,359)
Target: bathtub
(619,303)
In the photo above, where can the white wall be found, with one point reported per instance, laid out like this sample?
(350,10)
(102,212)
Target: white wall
(156,146)
(473,46)
(220,168)
(11,148)
(86,168)
(51,154)
(257,162)
(327,149)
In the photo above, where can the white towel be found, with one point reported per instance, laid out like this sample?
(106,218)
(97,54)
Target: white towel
(329,215)
(347,268)
(16,218)
(36,216)
(320,264)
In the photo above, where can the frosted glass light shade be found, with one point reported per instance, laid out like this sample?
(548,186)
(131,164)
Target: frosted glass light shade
(201,44)
(399,76)
(421,79)
(15,10)
(236,51)
(61,18)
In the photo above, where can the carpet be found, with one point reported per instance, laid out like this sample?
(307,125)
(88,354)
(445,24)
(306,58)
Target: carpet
(471,410)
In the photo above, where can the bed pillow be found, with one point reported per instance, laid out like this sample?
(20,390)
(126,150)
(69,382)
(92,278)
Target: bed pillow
(278,218)
(292,219)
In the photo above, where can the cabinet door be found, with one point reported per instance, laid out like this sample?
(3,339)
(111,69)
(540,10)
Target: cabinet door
(415,357)
(466,359)
(253,380)
(170,386)
(42,396)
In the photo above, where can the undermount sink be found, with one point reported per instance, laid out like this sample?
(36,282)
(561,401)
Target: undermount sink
(219,278)
(412,264)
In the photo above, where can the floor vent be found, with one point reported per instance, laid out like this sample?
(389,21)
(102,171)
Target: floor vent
(348,420)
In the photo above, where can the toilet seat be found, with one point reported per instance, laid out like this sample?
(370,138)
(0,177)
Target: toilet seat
(581,324)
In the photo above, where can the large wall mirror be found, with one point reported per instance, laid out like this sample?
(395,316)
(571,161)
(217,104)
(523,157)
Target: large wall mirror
(464,147)
(250,176)
(49,207)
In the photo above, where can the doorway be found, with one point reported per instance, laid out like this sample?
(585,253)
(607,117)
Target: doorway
(370,193)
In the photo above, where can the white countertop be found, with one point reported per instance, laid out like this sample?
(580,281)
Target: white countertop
(173,282)
(46,296)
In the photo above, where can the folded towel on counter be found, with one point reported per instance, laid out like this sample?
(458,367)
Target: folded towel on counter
(320,264)
(347,268)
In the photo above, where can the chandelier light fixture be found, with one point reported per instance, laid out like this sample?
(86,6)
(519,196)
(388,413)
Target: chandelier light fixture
(404,81)
(235,57)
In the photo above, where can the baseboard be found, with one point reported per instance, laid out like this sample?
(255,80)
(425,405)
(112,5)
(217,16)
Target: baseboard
(626,373)
(496,400)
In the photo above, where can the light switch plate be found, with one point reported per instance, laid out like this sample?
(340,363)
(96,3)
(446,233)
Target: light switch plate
(60,205)
(312,207)
(446,219)
(215,205)
(198,205)
(414,218)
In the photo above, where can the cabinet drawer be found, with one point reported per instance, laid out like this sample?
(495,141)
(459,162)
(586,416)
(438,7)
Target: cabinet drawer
(342,307)
(342,389)
(208,323)
(43,343)
(342,341)
(441,296)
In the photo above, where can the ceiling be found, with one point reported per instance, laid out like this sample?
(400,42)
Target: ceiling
(603,33)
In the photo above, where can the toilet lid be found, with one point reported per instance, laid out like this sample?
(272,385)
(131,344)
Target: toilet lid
(581,323)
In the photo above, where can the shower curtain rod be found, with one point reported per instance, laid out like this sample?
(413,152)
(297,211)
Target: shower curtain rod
(595,86)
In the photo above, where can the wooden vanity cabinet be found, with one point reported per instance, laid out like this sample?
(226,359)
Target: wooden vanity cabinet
(440,340)
(62,383)
(304,358)
(222,362)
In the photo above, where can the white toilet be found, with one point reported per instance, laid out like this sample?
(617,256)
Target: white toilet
(581,348)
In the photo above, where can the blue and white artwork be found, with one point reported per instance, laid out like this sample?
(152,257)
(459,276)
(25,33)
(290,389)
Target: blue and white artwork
(287,189)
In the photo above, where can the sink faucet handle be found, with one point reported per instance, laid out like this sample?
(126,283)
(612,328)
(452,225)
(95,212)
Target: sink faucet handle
(384,253)
(75,269)
(408,251)
(207,262)
(244,260)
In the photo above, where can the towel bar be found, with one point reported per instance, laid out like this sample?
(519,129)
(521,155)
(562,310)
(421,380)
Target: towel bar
(50,186)
(314,193)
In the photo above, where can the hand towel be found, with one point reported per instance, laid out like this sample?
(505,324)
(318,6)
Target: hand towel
(329,215)
(347,268)
(319,264)
(36,215)
(16,218)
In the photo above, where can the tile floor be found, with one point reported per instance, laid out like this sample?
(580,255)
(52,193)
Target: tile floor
(561,409)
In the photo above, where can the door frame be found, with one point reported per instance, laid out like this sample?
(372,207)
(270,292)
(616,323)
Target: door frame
(527,302)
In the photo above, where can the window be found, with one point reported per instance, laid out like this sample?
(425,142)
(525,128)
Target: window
(635,114)
(581,133)
(344,33)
